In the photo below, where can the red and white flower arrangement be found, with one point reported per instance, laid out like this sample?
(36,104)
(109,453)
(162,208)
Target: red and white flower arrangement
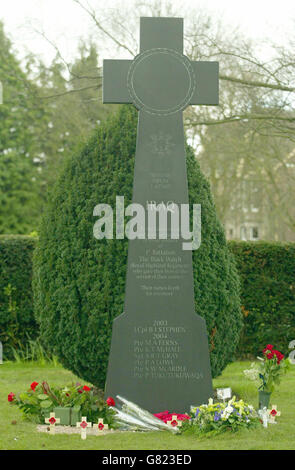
(269,370)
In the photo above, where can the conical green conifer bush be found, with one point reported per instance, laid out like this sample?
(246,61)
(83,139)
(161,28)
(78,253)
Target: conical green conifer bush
(79,281)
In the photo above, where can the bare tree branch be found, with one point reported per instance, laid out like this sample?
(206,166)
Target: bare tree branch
(243,117)
(74,90)
(257,84)
(92,14)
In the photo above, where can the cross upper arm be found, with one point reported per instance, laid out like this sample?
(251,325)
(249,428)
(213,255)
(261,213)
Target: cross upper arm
(115,81)
(161,33)
(207,88)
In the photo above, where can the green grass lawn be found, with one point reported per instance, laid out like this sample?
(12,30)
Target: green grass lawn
(16,377)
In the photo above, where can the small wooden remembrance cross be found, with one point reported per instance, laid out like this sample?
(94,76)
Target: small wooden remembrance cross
(159,354)
(101,426)
(52,421)
(174,422)
(83,425)
(273,414)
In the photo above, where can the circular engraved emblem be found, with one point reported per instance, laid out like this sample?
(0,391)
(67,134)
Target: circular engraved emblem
(161,81)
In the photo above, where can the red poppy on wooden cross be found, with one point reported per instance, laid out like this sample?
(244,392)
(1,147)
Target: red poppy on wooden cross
(273,414)
(174,422)
(83,425)
(100,426)
(52,421)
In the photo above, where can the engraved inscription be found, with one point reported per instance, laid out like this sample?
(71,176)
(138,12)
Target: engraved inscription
(157,352)
(160,265)
(161,144)
(160,181)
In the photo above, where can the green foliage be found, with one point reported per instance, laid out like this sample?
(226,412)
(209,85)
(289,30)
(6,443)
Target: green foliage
(17,322)
(33,351)
(72,104)
(215,276)
(41,399)
(20,117)
(267,294)
(79,281)
(43,116)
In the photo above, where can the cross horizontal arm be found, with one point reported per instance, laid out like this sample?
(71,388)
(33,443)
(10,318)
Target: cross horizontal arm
(115,81)
(207,87)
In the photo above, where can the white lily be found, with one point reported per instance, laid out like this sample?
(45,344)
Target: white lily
(228,410)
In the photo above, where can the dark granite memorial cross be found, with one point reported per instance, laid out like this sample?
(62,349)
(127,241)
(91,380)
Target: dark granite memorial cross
(159,354)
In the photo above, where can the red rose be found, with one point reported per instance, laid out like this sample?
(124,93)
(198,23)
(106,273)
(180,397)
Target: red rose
(34,385)
(110,401)
(166,416)
(268,347)
(279,355)
(10,397)
(270,355)
(86,389)
(163,416)
(80,391)
(182,417)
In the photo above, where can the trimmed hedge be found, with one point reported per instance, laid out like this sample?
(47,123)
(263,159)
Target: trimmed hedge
(17,322)
(267,272)
(79,282)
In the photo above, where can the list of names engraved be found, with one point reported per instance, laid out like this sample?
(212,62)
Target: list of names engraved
(157,352)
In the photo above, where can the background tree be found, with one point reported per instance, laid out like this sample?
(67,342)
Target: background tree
(47,112)
(20,116)
(252,177)
(71,93)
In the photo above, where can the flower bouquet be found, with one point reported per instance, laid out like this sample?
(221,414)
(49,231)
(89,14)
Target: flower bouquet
(267,372)
(41,399)
(220,417)
(133,418)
